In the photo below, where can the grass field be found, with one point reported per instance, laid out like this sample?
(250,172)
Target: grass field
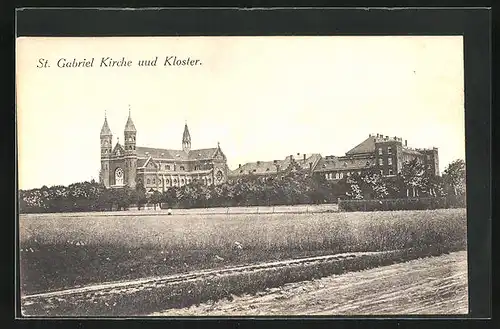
(62,251)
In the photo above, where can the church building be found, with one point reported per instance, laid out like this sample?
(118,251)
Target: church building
(156,168)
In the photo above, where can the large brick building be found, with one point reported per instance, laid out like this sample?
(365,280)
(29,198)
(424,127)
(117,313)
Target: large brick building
(156,168)
(377,152)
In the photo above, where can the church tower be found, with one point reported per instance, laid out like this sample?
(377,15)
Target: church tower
(106,139)
(130,152)
(186,139)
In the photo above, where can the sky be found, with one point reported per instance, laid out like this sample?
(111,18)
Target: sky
(262,98)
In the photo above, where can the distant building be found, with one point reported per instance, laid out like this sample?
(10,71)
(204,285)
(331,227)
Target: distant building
(382,153)
(298,162)
(157,169)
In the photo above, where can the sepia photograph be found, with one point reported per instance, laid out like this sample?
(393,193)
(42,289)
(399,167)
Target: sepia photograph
(232,176)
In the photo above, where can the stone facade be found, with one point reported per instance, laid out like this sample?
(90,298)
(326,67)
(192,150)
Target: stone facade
(157,169)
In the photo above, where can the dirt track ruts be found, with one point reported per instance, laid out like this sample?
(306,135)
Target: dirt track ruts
(428,286)
(126,287)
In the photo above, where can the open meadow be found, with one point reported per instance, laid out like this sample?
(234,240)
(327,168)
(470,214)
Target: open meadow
(59,251)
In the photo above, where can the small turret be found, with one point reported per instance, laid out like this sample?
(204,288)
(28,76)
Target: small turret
(106,138)
(130,134)
(106,149)
(186,139)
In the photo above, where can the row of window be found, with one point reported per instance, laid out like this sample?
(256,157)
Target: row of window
(167,167)
(181,181)
(389,150)
(340,175)
(381,161)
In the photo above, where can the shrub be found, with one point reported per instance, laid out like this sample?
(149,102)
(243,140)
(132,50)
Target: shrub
(393,204)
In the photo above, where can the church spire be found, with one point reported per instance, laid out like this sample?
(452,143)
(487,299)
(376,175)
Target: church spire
(129,126)
(105,131)
(186,139)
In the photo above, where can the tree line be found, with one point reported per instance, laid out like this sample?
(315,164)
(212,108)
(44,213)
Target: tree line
(289,188)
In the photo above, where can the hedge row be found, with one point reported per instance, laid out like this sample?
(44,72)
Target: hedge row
(398,204)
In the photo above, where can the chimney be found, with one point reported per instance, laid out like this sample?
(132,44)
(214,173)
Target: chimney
(291,157)
(406,142)
(310,165)
(239,166)
(258,163)
(275,161)
(304,157)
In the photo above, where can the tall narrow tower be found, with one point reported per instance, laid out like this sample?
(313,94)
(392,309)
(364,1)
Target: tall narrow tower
(106,139)
(186,139)
(130,152)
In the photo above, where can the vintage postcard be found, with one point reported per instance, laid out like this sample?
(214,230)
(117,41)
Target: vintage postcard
(241,176)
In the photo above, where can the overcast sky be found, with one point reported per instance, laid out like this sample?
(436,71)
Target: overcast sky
(262,98)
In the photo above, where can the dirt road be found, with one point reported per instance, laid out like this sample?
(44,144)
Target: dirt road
(436,285)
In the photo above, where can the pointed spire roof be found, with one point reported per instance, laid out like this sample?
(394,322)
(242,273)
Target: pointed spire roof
(186,137)
(105,131)
(129,126)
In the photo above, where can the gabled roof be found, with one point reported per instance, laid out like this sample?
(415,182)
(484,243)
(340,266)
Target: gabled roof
(202,154)
(367,146)
(105,131)
(299,160)
(271,167)
(256,168)
(119,148)
(335,163)
(157,153)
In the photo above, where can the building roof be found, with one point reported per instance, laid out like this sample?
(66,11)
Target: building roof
(256,168)
(129,126)
(299,160)
(186,137)
(411,151)
(271,167)
(105,131)
(336,163)
(118,150)
(367,146)
(157,153)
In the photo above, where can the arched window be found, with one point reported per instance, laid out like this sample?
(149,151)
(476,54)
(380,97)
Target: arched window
(118,176)
(149,181)
(182,168)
